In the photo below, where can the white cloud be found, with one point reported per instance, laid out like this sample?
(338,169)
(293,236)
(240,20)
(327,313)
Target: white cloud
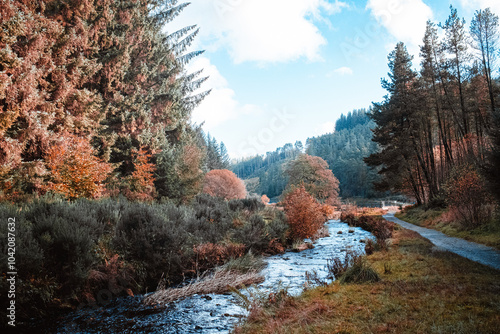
(260,30)
(344,70)
(474,5)
(327,127)
(404,19)
(220,105)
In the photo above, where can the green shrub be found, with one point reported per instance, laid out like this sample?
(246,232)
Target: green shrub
(278,227)
(251,204)
(360,272)
(253,234)
(336,267)
(155,239)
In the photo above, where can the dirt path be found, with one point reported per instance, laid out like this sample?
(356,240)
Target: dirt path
(470,250)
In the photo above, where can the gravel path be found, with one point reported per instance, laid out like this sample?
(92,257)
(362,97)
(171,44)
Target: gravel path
(470,250)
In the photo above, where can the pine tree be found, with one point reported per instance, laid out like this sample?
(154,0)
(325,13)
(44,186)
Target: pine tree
(484,31)
(394,132)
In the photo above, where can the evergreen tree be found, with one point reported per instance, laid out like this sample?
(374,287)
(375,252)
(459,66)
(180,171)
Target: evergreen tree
(484,31)
(344,151)
(104,71)
(394,132)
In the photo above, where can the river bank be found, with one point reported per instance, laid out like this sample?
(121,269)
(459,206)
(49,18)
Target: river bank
(212,313)
(422,290)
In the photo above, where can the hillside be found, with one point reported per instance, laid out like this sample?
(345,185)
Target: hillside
(343,150)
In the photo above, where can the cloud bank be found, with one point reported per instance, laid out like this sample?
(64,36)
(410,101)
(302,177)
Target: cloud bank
(262,31)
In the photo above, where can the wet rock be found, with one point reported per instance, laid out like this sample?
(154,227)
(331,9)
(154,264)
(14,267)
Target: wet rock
(207,297)
(351,231)
(339,232)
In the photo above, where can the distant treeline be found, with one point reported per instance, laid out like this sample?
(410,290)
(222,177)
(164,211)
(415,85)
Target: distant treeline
(343,150)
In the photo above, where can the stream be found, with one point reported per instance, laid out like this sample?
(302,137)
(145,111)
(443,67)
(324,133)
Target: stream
(214,313)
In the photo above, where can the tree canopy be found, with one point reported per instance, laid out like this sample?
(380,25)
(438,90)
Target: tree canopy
(104,72)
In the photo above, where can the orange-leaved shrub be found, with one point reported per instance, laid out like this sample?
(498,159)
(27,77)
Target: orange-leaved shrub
(74,169)
(304,213)
(468,197)
(209,255)
(142,179)
(225,184)
(265,199)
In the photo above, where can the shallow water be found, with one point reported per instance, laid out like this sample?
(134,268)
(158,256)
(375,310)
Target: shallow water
(213,313)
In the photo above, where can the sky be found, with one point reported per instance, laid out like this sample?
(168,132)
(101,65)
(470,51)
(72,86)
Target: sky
(285,70)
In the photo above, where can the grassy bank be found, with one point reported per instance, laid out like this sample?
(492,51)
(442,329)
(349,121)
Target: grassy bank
(440,219)
(421,291)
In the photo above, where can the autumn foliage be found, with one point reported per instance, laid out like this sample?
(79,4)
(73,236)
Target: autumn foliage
(317,178)
(142,179)
(304,213)
(264,199)
(209,255)
(105,71)
(74,169)
(468,197)
(224,183)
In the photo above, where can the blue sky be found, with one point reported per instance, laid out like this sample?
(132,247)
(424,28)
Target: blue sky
(284,70)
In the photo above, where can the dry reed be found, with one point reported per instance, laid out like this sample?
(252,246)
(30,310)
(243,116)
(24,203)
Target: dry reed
(220,282)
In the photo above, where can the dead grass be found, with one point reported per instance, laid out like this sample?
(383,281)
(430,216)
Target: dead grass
(364,211)
(220,282)
(422,290)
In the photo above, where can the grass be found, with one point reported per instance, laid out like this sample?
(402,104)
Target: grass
(487,234)
(245,263)
(421,290)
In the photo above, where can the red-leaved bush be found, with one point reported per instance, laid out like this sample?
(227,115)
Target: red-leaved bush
(265,199)
(304,213)
(224,183)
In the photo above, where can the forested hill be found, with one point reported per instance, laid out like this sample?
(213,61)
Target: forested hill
(266,174)
(343,149)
